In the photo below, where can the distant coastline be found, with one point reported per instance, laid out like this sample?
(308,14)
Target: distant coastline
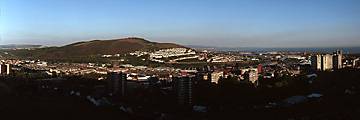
(19,46)
(346,50)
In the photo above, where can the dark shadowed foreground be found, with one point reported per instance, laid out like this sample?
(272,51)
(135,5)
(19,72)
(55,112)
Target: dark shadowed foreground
(274,99)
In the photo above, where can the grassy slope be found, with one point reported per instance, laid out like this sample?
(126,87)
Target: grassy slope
(91,50)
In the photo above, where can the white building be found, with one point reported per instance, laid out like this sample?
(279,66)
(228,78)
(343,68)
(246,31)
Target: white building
(327,62)
(215,76)
(322,62)
(337,59)
(253,75)
(5,69)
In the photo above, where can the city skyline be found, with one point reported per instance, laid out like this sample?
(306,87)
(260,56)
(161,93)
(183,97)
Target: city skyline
(180,59)
(228,23)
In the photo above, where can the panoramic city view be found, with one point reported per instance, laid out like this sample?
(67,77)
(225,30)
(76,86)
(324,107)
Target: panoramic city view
(180,59)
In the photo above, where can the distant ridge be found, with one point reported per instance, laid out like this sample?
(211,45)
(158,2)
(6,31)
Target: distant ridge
(98,47)
(19,46)
(347,50)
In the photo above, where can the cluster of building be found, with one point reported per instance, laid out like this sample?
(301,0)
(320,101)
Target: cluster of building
(184,58)
(325,62)
(139,53)
(232,57)
(172,52)
(176,54)
(5,69)
(182,82)
(122,77)
(221,59)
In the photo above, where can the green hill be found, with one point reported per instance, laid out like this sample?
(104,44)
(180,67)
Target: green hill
(93,48)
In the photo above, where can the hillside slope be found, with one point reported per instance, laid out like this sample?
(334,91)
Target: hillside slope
(96,47)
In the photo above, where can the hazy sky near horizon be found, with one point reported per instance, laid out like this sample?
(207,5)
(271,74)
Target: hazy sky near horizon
(223,23)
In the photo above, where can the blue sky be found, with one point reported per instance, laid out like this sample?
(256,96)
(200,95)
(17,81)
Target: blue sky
(223,23)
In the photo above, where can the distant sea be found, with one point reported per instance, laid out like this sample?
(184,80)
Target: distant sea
(346,50)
